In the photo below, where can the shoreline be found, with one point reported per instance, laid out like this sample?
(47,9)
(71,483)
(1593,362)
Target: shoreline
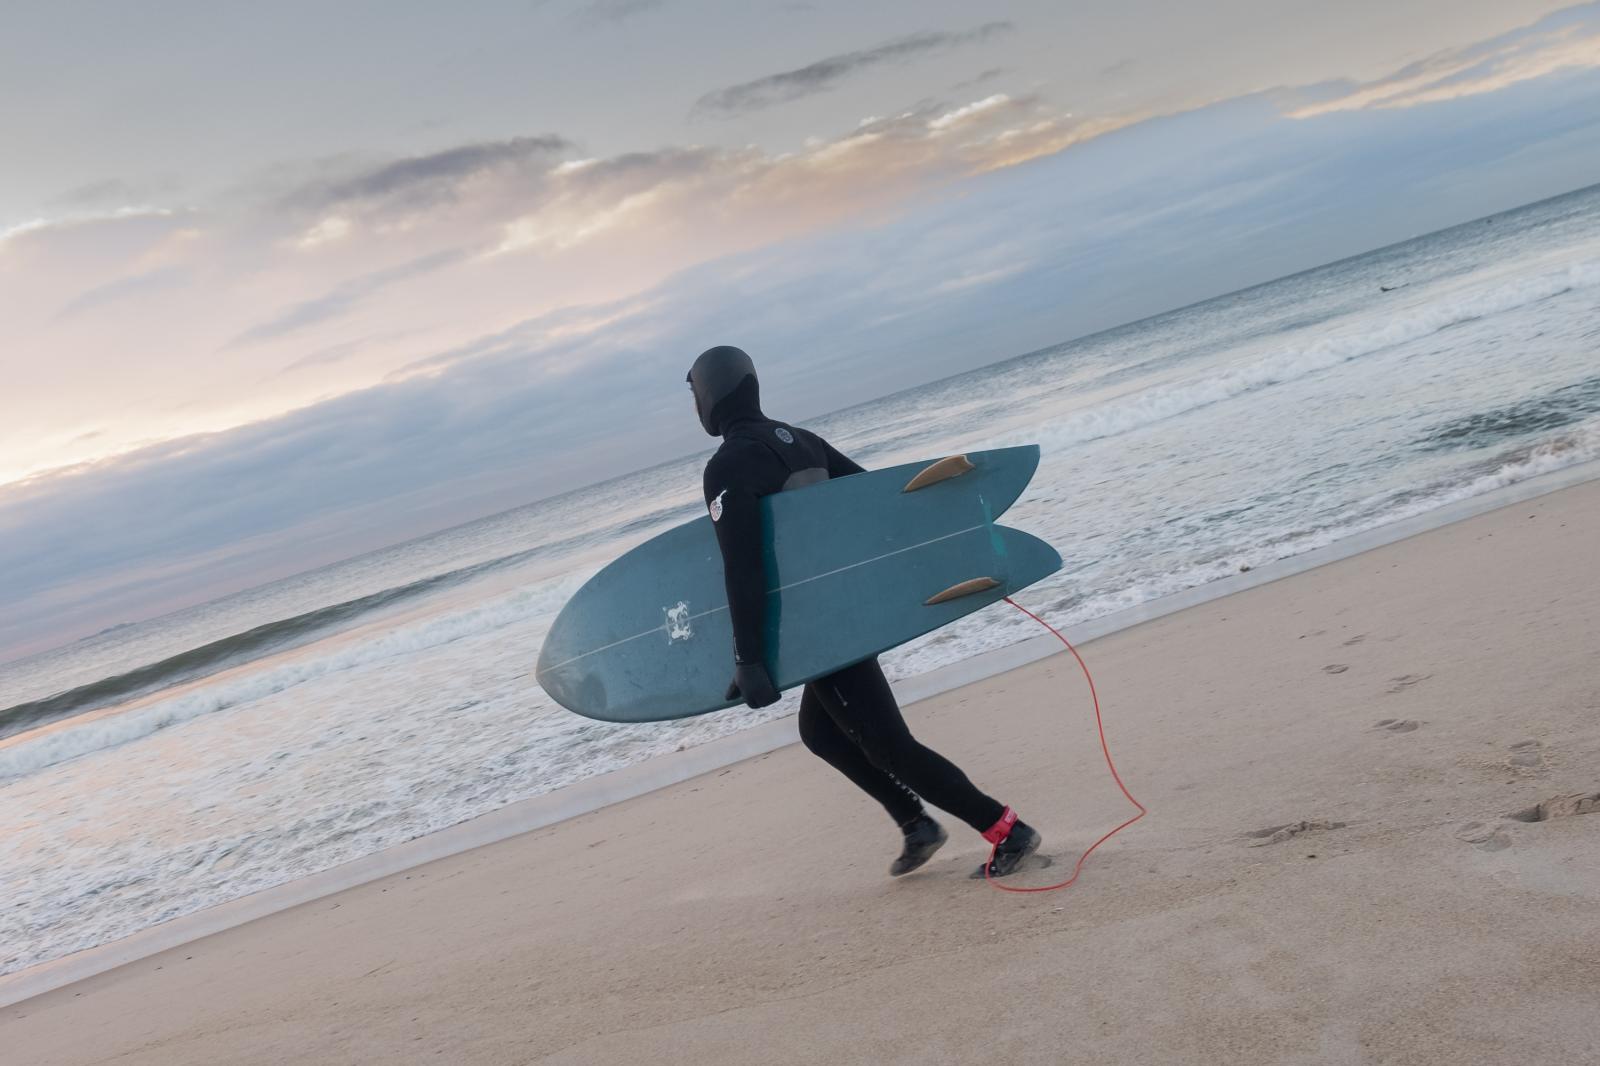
(652,775)
(1348,859)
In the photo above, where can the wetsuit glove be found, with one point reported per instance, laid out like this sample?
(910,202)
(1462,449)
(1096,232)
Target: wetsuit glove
(753,684)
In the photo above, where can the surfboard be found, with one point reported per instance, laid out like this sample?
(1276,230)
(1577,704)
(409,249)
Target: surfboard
(856,565)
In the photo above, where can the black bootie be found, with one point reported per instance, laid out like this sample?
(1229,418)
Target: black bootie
(924,836)
(1020,841)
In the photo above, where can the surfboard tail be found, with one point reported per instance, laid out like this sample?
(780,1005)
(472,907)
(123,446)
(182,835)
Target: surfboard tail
(1014,466)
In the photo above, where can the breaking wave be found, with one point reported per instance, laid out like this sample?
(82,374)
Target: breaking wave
(1557,408)
(25,754)
(288,633)
(1162,402)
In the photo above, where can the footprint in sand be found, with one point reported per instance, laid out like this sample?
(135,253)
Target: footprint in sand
(1526,754)
(1277,834)
(1560,807)
(1335,668)
(1353,641)
(1405,681)
(1397,725)
(1484,837)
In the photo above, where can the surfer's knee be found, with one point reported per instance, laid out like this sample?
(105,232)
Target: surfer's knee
(815,728)
(885,748)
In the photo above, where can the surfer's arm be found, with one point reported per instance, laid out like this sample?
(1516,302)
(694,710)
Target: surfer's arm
(736,517)
(739,537)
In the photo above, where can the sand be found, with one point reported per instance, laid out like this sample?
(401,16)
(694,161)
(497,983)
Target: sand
(1337,868)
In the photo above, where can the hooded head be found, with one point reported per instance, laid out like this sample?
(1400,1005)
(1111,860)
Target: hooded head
(723,381)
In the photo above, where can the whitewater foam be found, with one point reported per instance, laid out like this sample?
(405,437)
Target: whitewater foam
(28,752)
(1163,402)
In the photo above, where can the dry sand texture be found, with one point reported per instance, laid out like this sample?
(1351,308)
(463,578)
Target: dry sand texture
(1368,843)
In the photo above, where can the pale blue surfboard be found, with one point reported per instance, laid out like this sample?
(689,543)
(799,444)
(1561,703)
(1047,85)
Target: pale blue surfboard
(856,566)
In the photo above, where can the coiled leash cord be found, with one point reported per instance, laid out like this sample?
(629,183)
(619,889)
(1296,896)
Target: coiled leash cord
(1077,867)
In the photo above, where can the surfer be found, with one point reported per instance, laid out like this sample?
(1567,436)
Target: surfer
(848,718)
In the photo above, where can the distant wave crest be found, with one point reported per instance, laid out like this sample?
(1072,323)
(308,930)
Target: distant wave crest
(207,658)
(1161,402)
(286,633)
(25,755)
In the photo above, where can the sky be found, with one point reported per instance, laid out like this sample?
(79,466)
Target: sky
(284,283)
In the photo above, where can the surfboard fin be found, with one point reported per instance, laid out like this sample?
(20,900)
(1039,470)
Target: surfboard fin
(965,588)
(943,470)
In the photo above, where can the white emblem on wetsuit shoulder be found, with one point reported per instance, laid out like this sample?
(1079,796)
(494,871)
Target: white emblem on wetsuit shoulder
(784,435)
(716,506)
(678,627)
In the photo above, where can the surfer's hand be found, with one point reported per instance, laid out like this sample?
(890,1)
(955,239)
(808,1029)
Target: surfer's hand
(753,684)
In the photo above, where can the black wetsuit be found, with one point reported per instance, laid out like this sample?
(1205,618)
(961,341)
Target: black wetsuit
(849,718)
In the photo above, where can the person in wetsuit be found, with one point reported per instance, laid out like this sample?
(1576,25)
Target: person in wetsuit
(848,718)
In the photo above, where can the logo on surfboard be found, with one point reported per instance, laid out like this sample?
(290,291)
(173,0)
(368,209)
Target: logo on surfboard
(678,625)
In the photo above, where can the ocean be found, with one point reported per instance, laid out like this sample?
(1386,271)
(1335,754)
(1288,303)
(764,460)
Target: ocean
(169,765)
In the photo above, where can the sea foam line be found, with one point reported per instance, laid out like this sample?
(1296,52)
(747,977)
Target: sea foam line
(1161,402)
(29,752)
(975,635)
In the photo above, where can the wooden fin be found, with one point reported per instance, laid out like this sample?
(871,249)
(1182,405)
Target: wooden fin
(965,588)
(943,470)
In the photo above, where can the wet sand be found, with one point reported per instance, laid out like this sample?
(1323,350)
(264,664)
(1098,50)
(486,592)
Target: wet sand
(1339,866)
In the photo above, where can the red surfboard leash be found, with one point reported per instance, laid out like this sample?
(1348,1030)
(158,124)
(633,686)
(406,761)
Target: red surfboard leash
(1077,867)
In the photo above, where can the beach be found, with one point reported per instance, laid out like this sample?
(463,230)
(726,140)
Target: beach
(1340,865)
(391,488)
(265,742)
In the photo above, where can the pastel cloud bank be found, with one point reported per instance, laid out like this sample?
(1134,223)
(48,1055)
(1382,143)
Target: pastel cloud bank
(358,350)
(378,267)
(1569,41)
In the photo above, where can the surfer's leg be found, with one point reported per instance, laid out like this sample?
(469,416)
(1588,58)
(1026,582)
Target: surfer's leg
(823,737)
(863,706)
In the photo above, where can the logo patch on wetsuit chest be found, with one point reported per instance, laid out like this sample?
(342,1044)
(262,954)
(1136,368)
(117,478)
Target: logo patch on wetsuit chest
(784,435)
(716,506)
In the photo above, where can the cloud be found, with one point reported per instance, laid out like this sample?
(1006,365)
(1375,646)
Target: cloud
(562,325)
(980,278)
(740,198)
(345,296)
(1566,40)
(824,74)
(339,353)
(124,288)
(419,181)
(688,204)
(83,220)
(981,78)
(226,302)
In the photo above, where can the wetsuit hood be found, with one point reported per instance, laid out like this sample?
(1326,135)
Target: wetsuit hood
(725,389)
